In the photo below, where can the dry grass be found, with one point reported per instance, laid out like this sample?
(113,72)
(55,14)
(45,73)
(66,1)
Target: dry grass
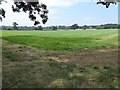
(25,67)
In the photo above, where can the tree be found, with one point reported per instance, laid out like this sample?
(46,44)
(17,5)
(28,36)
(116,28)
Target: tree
(61,27)
(26,6)
(85,27)
(107,2)
(40,28)
(2,11)
(15,25)
(54,27)
(74,26)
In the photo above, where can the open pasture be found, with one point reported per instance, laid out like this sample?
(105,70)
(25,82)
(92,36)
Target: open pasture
(63,40)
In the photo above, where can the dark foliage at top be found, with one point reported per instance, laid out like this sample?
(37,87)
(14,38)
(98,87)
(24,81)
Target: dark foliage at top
(33,8)
(107,2)
(2,11)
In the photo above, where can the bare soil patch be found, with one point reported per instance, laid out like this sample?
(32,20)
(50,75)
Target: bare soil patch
(110,36)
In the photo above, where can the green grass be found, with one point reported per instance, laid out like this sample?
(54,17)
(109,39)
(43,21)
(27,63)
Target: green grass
(63,40)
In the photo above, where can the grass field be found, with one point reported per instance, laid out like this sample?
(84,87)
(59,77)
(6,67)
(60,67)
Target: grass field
(60,59)
(63,40)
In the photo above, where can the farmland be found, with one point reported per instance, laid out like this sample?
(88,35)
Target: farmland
(61,58)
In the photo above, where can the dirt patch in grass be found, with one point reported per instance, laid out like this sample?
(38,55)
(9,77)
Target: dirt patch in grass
(117,44)
(110,36)
(24,66)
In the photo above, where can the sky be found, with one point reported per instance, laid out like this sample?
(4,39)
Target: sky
(66,12)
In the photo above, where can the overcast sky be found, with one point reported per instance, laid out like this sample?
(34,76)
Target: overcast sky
(66,12)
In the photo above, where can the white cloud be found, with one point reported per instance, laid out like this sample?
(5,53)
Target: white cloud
(54,3)
(53,11)
(62,3)
(59,3)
